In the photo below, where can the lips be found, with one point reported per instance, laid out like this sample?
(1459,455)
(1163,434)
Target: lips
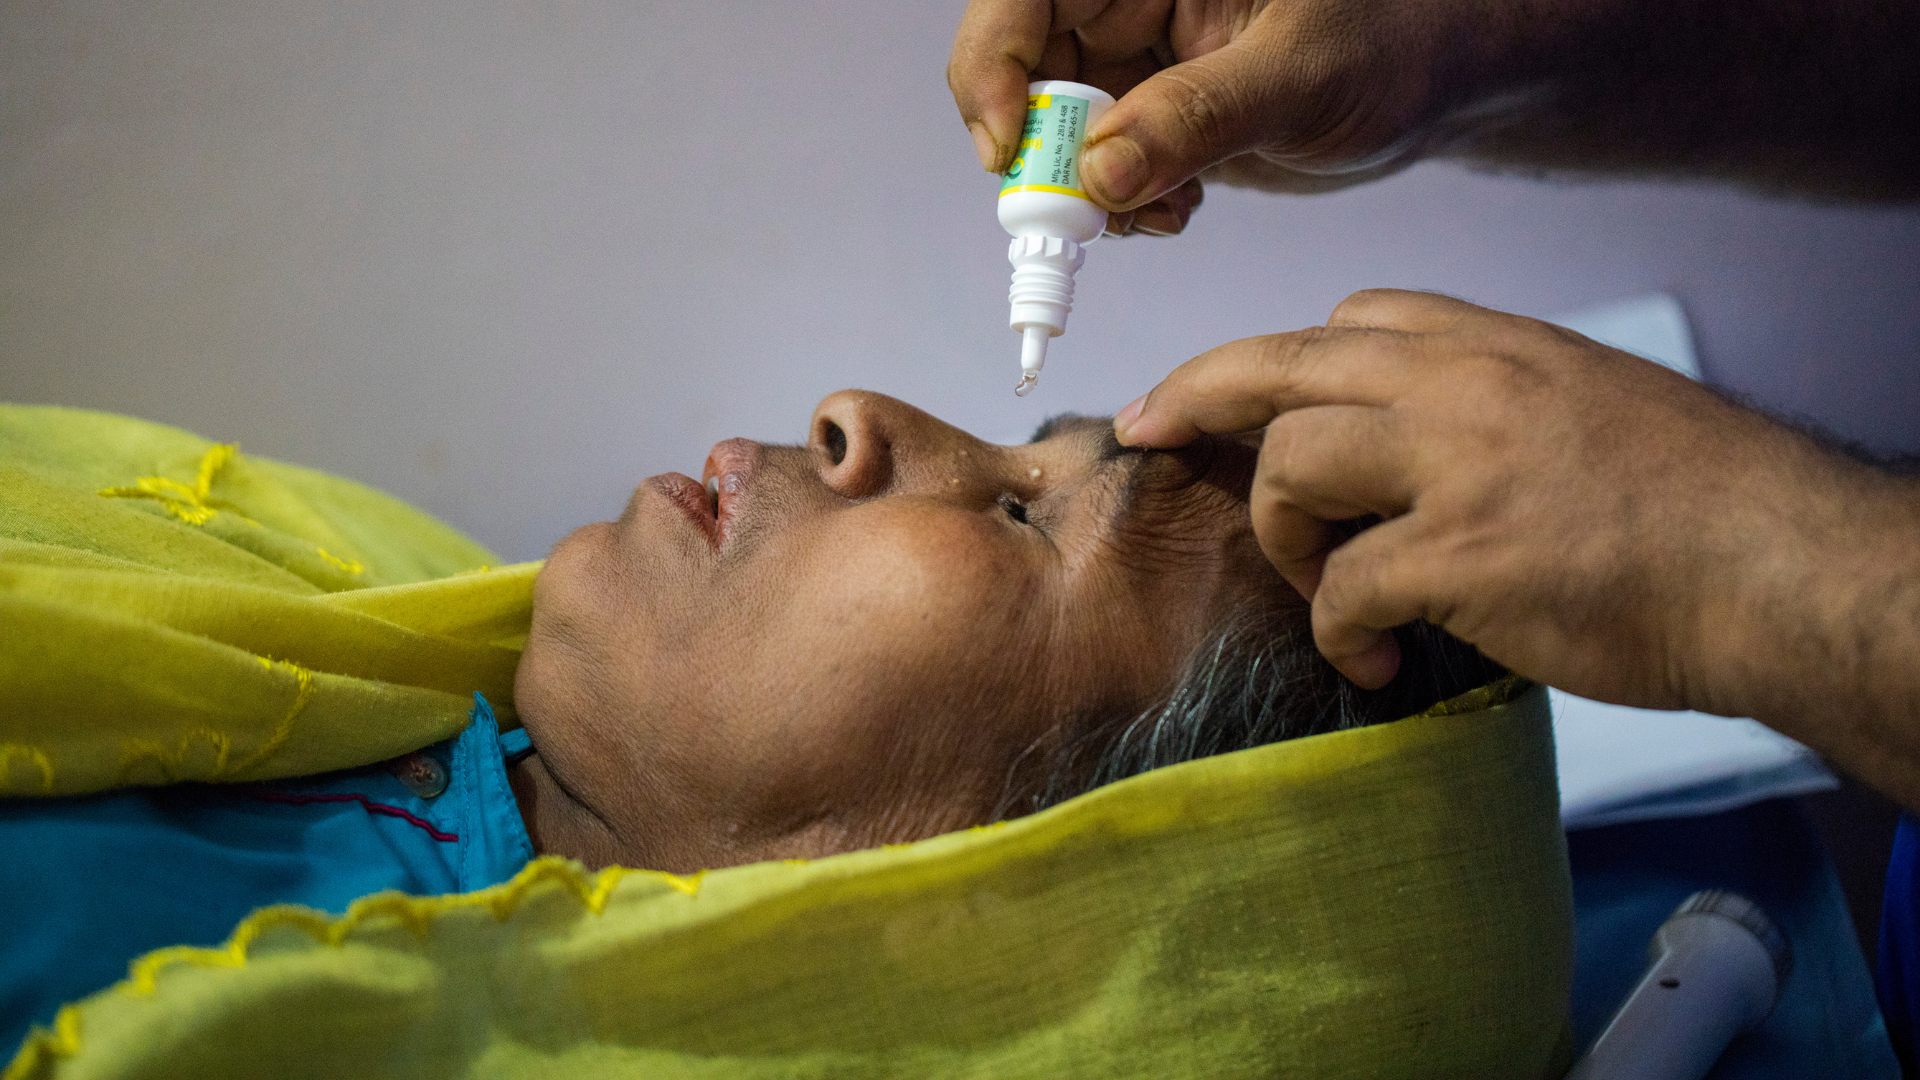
(686,494)
(715,502)
(727,478)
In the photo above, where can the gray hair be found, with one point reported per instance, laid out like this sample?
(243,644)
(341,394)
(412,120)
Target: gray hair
(1256,679)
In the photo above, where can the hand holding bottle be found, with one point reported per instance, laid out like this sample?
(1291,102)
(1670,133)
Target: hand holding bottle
(1301,96)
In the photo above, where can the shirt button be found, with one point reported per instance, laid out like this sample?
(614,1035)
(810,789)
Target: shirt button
(422,774)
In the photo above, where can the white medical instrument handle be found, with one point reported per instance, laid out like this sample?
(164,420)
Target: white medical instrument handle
(1717,967)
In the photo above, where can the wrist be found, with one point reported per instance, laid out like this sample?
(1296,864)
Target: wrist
(1818,633)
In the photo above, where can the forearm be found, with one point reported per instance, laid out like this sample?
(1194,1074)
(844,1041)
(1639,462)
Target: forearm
(1819,97)
(1823,643)
(1865,715)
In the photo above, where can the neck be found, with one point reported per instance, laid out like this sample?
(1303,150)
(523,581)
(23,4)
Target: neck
(558,822)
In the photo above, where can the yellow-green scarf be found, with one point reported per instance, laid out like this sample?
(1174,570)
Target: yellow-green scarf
(1386,902)
(175,610)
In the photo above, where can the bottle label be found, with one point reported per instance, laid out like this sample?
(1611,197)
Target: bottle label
(1049,157)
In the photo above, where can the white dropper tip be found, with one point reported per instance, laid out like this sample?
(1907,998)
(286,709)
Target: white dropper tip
(1033,356)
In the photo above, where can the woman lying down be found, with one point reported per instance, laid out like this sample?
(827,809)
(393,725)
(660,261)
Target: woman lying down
(892,632)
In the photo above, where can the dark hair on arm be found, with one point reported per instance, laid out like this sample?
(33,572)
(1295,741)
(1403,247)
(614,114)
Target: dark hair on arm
(1257,679)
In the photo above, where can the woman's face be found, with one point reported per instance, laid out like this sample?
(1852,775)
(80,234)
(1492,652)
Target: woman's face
(854,641)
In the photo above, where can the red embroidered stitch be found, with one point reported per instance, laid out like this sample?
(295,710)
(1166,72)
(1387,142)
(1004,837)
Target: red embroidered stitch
(374,807)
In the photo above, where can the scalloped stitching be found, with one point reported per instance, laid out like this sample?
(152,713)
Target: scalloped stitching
(416,913)
(43,1046)
(172,761)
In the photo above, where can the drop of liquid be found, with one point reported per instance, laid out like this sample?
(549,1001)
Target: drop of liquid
(1028,380)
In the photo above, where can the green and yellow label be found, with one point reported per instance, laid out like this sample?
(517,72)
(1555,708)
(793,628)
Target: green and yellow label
(1049,157)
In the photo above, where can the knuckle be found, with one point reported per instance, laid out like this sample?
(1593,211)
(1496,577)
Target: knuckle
(1284,454)
(1334,634)
(1202,109)
(1503,374)
(1277,528)
(1278,360)
(1370,307)
(1350,582)
(1359,584)
(1285,537)
(961,88)
(1291,541)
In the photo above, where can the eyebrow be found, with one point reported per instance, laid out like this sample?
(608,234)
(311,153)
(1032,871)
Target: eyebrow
(1118,493)
(1068,423)
(1051,426)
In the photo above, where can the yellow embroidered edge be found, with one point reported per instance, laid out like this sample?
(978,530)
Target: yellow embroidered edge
(1499,692)
(350,566)
(172,762)
(45,1046)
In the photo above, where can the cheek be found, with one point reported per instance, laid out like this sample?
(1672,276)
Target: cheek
(890,640)
(939,592)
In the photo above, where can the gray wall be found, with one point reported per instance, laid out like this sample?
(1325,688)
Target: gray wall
(506,259)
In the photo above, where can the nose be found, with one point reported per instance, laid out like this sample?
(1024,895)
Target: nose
(870,444)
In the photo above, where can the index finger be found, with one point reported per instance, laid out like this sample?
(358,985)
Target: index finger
(999,44)
(1242,385)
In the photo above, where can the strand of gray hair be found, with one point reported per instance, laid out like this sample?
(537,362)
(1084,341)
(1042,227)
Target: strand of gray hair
(1253,681)
(1257,679)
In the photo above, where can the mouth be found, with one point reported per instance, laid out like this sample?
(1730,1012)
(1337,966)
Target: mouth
(726,480)
(687,496)
(714,503)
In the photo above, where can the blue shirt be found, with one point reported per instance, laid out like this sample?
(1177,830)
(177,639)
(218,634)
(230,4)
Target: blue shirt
(91,883)
(1899,976)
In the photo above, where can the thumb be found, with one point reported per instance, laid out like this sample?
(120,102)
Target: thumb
(1279,86)
(1185,118)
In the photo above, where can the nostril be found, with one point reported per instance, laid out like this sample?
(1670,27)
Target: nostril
(850,439)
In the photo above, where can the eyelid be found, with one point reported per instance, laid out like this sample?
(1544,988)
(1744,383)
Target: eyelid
(1015,508)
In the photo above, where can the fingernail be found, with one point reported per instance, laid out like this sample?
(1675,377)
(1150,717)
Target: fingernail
(1125,418)
(1157,221)
(1115,168)
(983,145)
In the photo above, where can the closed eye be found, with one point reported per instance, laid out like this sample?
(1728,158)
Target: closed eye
(1015,509)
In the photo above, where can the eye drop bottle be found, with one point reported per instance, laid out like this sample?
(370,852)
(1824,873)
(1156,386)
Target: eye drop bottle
(1044,205)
